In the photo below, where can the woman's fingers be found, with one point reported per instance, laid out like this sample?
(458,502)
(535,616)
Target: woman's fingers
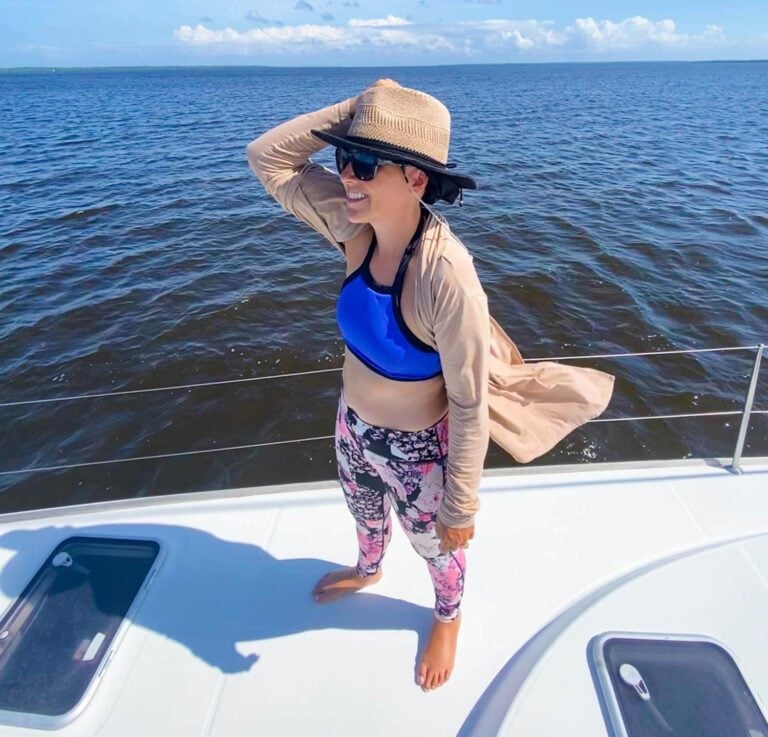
(451,539)
(385,82)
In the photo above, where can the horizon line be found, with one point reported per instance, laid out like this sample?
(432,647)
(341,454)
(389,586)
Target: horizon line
(377,66)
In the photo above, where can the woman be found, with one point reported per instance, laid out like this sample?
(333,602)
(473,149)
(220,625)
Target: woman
(423,358)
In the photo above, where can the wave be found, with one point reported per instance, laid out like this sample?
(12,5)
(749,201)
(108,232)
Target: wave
(76,141)
(89,212)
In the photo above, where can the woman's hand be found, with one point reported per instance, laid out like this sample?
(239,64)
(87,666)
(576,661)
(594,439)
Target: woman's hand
(384,82)
(452,538)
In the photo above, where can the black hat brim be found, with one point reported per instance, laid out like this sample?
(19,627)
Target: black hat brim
(399,155)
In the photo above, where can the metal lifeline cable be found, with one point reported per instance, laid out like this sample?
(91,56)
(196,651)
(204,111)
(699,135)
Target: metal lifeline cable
(322,371)
(169,388)
(329,437)
(165,455)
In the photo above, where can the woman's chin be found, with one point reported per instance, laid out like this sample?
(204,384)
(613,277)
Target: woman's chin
(354,216)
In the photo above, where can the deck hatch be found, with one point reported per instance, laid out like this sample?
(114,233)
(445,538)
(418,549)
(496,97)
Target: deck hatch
(673,685)
(56,635)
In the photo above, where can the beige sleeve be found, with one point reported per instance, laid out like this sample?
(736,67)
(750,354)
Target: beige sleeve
(312,193)
(462,335)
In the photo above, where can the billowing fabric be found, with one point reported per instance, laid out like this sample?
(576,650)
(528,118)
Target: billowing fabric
(380,468)
(373,328)
(527,408)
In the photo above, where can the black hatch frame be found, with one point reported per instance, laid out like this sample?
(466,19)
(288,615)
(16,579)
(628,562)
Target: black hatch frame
(58,637)
(658,684)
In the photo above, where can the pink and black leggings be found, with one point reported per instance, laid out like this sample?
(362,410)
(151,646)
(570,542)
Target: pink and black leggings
(380,468)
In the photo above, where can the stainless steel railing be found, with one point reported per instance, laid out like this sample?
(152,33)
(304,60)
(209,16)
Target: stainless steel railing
(746,412)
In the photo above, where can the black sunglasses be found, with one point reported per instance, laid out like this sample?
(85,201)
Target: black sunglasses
(364,164)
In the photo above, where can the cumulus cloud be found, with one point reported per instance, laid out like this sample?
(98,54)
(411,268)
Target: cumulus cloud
(519,34)
(327,16)
(635,32)
(350,4)
(465,38)
(303,5)
(390,20)
(296,38)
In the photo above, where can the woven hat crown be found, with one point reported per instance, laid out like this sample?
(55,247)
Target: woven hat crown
(403,117)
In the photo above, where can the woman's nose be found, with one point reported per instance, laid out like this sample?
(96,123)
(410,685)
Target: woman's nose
(346,172)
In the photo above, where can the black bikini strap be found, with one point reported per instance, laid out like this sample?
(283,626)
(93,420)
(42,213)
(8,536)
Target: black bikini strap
(369,255)
(408,253)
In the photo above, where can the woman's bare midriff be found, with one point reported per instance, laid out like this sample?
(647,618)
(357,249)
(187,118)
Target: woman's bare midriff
(400,405)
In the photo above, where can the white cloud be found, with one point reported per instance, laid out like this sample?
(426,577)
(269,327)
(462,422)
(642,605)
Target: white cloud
(635,32)
(466,38)
(266,38)
(390,20)
(298,38)
(521,34)
(411,41)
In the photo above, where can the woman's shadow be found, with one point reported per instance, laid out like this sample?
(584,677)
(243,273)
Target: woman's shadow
(210,594)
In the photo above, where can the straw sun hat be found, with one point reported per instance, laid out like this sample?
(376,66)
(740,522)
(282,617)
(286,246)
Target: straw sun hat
(406,126)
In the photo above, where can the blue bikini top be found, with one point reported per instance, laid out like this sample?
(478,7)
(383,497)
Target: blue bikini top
(372,324)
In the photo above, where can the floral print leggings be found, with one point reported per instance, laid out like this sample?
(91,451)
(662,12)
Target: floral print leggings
(381,467)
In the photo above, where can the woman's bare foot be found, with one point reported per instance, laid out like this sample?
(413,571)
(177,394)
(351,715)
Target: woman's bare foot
(341,582)
(438,657)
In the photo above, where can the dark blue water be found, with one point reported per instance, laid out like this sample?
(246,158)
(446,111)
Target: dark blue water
(622,208)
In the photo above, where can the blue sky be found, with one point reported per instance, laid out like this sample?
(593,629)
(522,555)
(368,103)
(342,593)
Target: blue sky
(370,33)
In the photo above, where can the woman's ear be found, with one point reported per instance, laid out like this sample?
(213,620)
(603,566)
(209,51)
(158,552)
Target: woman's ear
(416,177)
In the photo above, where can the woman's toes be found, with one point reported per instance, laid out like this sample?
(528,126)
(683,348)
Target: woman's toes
(422,678)
(320,590)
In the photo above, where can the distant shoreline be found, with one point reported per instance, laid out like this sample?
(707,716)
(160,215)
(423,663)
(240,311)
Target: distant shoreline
(136,68)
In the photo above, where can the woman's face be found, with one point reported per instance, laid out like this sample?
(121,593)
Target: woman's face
(385,195)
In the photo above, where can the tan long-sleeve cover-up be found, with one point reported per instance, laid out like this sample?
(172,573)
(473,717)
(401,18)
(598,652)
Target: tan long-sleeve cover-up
(526,408)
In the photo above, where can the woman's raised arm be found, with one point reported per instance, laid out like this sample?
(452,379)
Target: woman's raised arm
(310,192)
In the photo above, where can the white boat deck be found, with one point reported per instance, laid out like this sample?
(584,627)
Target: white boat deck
(228,641)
